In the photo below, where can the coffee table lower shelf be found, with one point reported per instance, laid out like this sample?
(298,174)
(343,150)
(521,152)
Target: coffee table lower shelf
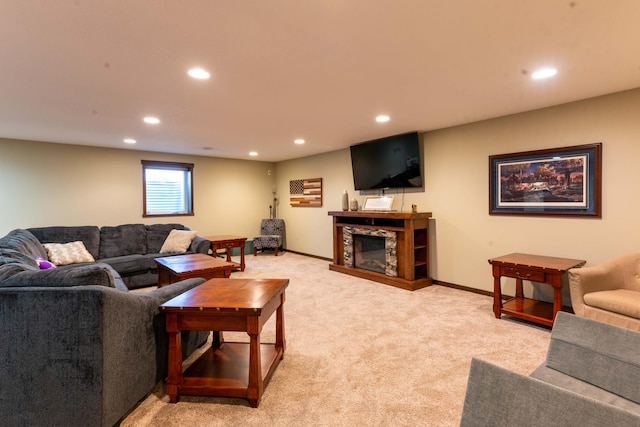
(224,371)
(530,309)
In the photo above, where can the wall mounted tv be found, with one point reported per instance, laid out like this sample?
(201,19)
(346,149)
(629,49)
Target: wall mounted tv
(391,162)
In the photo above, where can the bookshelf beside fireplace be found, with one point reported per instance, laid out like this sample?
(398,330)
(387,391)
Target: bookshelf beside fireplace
(406,250)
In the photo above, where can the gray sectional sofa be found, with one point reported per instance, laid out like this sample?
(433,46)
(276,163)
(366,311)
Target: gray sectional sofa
(130,248)
(591,377)
(76,347)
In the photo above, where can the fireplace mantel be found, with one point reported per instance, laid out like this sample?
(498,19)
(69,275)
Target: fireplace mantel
(412,231)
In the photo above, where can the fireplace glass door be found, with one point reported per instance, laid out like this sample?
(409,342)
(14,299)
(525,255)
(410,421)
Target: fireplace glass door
(369,253)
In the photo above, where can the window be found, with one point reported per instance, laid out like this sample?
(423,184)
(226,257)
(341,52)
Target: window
(167,188)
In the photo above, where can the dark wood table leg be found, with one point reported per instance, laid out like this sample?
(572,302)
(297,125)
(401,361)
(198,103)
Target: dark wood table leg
(255,386)
(281,342)
(556,282)
(242,257)
(174,377)
(497,294)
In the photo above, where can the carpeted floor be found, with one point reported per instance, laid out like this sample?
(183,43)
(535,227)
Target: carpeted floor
(360,353)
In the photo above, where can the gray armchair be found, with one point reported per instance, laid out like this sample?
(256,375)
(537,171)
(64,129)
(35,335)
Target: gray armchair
(271,236)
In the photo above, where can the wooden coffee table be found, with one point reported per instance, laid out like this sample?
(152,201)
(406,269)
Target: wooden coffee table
(228,369)
(228,241)
(175,268)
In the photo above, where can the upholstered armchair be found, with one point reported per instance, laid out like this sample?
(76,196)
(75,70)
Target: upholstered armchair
(609,292)
(271,236)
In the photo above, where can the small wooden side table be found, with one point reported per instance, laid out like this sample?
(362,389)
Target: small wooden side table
(228,241)
(535,268)
(230,369)
(172,269)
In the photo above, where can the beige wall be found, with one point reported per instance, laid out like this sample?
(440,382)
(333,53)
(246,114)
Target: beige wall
(465,236)
(45,184)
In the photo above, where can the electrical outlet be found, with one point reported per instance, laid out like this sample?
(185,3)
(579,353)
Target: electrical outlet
(269,172)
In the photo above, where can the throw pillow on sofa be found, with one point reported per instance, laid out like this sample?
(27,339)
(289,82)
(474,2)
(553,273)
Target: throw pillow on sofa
(178,241)
(67,253)
(45,264)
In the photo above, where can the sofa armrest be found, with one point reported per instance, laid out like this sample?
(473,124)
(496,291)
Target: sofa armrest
(618,273)
(497,397)
(200,245)
(164,294)
(81,355)
(91,274)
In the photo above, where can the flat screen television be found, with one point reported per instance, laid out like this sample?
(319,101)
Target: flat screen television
(391,162)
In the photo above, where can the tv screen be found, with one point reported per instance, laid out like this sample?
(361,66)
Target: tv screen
(391,162)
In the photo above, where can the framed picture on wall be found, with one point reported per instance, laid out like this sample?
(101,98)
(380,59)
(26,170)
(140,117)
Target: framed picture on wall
(559,181)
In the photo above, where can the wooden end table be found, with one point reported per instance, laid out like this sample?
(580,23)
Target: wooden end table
(175,268)
(228,241)
(535,268)
(227,369)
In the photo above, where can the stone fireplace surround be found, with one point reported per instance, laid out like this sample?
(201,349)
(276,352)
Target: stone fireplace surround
(411,231)
(390,245)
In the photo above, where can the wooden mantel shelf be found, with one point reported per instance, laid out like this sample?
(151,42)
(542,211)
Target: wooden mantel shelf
(412,231)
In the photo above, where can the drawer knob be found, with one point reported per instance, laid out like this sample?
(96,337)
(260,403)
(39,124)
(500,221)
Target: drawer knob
(523,276)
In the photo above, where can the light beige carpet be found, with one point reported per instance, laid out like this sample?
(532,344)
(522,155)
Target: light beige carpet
(360,353)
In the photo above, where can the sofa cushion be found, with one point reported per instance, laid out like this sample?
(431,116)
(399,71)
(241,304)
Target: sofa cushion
(11,268)
(126,239)
(622,301)
(24,242)
(88,234)
(157,234)
(12,256)
(68,253)
(128,264)
(178,241)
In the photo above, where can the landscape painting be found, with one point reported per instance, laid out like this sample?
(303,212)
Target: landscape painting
(562,181)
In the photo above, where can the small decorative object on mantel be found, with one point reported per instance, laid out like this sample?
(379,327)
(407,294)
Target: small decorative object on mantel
(305,192)
(345,201)
(353,205)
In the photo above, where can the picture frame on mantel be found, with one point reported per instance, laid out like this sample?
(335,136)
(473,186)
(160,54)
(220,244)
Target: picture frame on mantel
(377,203)
(563,181)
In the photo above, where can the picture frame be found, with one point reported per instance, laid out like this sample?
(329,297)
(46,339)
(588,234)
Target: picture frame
(377,203)
(563,181)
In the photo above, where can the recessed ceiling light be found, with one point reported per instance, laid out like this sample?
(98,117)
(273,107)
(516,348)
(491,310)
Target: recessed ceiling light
(544,73)
(299,141)
(152,120)
(199,73)
(253,153)
(129,140)
(382,119)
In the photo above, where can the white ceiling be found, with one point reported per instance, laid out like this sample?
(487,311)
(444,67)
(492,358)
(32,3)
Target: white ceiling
(87,71)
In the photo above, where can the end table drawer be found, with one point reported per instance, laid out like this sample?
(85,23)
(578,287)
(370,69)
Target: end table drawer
(524,274)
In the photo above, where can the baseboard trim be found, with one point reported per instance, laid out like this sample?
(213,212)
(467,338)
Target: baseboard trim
(435,282)
(309,255)
(463,288)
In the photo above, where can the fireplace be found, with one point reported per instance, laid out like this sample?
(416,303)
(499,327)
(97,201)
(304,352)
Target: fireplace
(372,250)
(369,253)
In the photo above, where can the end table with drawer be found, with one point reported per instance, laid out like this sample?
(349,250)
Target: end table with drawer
(535,268)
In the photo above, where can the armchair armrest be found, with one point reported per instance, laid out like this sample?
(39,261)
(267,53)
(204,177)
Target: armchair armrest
(618,273)
(497,397)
